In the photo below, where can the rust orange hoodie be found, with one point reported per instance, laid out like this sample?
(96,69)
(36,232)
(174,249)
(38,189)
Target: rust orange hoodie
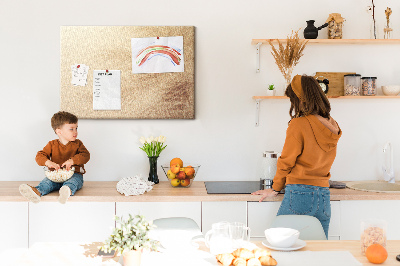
(308,152)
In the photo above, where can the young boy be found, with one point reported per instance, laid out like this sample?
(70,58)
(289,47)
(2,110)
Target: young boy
(66,151)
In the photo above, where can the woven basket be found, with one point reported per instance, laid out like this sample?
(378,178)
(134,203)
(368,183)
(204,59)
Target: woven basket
(60,175)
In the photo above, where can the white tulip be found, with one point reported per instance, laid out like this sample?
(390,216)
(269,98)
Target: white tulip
(148,140)
(151,138)
(142,140)
(156,139)
(162,138)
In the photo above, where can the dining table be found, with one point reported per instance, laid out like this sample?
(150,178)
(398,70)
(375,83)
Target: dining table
(86,254)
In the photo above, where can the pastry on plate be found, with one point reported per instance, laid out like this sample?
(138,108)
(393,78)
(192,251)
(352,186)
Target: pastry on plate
(253,262)
(225,259)
(258,252)
(267,261)
(243,253)
(239,262)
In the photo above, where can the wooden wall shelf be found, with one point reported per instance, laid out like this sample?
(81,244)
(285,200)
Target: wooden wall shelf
(331,97)
(259,42)
(332,41)
(259,98)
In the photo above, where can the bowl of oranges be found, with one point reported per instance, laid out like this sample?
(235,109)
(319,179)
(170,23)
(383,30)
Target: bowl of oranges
(180,174)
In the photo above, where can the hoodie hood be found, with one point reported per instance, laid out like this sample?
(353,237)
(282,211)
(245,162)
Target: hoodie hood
(325,138)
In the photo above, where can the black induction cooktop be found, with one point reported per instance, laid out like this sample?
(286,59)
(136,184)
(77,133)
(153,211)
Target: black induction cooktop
(233,187)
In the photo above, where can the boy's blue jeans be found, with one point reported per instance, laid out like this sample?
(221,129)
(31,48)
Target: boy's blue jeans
(308,200)
(74,183)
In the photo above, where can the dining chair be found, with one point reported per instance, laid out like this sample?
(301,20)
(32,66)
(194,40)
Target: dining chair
(178,223)
(181,223)
(310,227)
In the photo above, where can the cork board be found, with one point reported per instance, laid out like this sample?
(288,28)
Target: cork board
(336,82)
(143,96)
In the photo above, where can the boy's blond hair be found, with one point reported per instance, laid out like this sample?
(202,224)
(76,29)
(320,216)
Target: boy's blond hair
(62,118)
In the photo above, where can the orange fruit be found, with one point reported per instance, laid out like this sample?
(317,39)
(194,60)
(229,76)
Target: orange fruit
(376,253)
(189,170)
(176,161)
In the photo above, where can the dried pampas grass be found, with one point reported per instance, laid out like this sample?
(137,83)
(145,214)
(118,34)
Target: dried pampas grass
(288,57)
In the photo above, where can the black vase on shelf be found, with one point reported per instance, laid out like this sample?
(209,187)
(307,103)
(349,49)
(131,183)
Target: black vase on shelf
(153,177)
(311,32)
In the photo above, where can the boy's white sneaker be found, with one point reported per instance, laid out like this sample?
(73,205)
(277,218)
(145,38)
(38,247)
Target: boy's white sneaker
(65,192)
(30,193)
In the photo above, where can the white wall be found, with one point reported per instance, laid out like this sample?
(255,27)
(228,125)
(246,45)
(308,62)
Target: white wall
(222,138)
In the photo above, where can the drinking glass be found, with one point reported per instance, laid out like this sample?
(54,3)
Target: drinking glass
(239,232)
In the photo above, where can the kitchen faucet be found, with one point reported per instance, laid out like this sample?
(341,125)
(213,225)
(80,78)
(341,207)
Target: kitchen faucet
(388,174)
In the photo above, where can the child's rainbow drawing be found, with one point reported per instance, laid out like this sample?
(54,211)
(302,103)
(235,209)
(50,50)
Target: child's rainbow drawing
(157,54)
(154,50)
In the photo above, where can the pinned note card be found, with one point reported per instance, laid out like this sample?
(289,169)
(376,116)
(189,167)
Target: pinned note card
(79,74)
(157,54)
(106,90)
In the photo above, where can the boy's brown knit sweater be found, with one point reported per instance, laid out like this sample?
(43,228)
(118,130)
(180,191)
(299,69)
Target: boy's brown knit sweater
(57,152)
(308,154)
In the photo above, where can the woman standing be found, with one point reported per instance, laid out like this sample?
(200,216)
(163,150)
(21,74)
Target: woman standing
(308,153)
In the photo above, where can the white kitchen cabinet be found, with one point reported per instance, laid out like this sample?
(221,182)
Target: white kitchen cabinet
(355,211)
(13,225)
(72,222)
(218,211)
(261,215)
(155,210)
(334,225)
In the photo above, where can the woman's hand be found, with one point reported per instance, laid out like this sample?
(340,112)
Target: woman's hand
(269,192)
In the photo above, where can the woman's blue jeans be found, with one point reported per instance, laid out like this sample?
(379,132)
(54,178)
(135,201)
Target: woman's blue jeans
(308,200)
(74,183)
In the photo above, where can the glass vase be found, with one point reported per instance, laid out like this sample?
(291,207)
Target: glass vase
(153,177)
(374,32)
(388,31)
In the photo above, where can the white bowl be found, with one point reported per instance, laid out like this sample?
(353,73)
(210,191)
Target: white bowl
(60,175)
(282,237)
(391,90)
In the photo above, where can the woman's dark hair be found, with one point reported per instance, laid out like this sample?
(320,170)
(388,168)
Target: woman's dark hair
(315,100)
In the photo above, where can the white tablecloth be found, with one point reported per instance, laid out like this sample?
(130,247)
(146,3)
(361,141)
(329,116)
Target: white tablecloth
(51,254)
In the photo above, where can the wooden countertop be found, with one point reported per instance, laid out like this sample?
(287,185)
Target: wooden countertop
(105,191)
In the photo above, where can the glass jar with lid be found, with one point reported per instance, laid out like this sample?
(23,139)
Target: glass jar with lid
(352,85)
(368,86)
(373,231)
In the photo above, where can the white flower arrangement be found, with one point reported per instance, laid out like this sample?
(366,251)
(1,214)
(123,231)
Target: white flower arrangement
(131,234)
(153,146)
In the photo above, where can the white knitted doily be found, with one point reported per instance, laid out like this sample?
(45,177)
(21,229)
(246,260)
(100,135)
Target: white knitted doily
(132,186)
